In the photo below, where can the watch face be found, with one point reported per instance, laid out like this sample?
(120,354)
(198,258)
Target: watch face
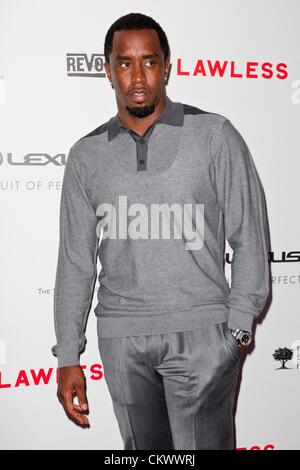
(245,338)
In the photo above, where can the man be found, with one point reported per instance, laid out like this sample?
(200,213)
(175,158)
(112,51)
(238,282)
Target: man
(163,183)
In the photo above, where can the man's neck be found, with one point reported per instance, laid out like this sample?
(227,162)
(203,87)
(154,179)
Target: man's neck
(140,125)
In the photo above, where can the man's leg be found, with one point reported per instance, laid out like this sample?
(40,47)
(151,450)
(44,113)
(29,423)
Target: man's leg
(200,370)
(137,392)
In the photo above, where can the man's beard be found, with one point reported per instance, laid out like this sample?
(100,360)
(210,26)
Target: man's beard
(141,111)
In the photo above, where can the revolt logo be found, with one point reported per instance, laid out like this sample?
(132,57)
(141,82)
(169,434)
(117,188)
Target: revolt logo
(82,65)
(185,219)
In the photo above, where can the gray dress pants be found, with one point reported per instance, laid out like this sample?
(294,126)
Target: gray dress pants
(174,390)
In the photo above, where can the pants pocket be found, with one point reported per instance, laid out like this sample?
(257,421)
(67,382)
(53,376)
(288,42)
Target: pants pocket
(231,341)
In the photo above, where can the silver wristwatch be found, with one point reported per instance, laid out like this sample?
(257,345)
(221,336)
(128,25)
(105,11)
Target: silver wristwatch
(243,337)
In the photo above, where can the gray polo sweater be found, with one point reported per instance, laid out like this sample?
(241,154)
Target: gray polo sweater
(156,210)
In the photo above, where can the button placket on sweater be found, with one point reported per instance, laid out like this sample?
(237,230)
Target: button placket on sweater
(141,154)
(142,147)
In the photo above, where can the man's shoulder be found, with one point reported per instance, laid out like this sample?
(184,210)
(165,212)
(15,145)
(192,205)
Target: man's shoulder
(92,140)
(98,131)
(195,115)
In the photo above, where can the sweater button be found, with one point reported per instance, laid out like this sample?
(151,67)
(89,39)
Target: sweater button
(142,141)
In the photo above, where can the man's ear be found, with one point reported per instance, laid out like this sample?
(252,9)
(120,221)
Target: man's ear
(167,68)
(107,70)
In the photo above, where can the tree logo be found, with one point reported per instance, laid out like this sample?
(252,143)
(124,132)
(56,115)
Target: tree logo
(283,355)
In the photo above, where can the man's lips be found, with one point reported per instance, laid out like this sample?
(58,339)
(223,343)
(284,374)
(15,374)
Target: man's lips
(138,95)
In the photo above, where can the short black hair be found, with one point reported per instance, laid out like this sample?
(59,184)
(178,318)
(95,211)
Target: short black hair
(135,21)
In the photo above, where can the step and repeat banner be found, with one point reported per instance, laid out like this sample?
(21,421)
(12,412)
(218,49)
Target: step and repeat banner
(236,58)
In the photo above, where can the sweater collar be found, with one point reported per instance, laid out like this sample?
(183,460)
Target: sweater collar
(172,115)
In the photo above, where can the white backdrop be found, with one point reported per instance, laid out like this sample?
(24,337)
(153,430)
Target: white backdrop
(43,111)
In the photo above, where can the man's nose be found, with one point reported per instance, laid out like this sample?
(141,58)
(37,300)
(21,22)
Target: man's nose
(138,73)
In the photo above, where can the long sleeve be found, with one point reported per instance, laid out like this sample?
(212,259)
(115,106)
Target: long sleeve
(241,200)
(76,266)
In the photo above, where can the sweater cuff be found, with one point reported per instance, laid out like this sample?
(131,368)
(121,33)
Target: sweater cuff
(240,320)
(67,355)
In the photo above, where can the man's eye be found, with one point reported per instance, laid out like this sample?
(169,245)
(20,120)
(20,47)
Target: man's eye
(151,62)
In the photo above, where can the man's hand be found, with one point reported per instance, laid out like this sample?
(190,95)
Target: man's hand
(72,383)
